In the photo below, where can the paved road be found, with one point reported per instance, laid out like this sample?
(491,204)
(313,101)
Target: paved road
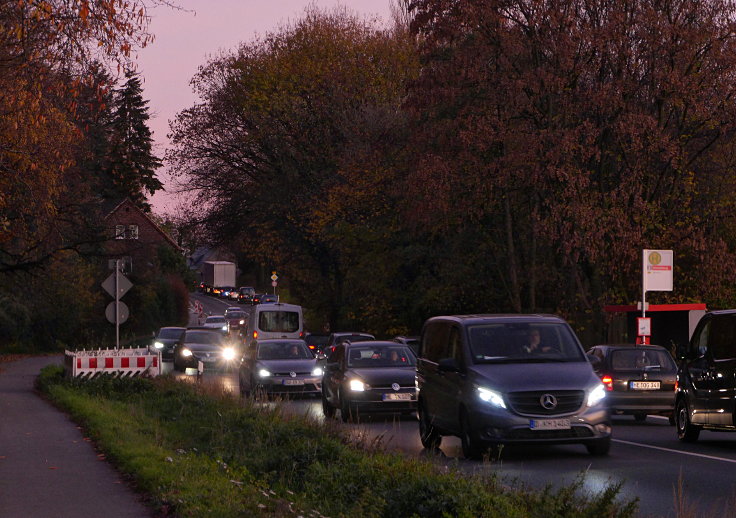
(47,467)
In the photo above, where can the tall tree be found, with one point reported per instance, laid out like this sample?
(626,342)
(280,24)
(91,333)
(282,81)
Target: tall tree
(132,163)
(576,133)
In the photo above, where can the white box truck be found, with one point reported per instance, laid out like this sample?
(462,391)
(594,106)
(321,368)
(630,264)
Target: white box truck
(218,273)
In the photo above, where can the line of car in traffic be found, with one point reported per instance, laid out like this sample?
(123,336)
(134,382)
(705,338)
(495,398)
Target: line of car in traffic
(489,379)
(241,295)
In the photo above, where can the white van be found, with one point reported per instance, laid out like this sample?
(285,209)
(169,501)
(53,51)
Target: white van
(278,320)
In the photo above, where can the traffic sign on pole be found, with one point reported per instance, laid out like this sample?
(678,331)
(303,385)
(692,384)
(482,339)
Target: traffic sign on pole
(122,312)
(124,285)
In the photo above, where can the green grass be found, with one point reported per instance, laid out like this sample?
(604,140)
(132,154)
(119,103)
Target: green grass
(201,454)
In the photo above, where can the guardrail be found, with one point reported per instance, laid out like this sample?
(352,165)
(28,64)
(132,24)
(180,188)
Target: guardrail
(116,362)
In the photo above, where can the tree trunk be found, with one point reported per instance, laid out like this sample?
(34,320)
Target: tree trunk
(515,291)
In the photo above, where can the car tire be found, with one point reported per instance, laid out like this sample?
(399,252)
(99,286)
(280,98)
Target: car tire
(473,447)
(428,434)
(686,430)
(600,447)
(346,413)
(640,417)
(327,409)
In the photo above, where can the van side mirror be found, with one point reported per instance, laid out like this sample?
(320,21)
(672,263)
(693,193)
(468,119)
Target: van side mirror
(448,365)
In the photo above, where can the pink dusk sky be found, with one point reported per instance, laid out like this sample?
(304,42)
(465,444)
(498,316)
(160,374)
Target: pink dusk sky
(186,39)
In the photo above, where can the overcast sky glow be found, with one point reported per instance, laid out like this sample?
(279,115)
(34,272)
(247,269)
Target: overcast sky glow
(186,39)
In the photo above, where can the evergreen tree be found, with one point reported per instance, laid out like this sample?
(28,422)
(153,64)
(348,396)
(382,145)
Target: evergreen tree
(133,165)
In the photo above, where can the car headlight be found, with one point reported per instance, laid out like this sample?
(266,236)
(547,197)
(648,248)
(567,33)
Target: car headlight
(597,395)
(317,371)
(228,353)
(224,328)
(242,322)
(263,373)
(158,345)
(491,396)
(357,385)
(186,352)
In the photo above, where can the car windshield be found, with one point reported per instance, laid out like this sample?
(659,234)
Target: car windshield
(367,357)
(278,321)
(215,320)
(202,337)
(641,358)
(523,342)
(284,351)
(168,334)
(236,314)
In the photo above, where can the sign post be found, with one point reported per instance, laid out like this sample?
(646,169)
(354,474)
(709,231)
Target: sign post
(117,285)
(657,275)
(274,281)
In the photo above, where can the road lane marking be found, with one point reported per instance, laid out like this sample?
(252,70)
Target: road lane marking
(670,450)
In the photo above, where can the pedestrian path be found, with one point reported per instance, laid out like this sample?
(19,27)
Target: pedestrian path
(48,469)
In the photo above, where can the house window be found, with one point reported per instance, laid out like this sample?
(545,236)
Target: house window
(119,231)
(132,231)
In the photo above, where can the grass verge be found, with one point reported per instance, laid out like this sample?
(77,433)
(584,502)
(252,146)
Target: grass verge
(200,454)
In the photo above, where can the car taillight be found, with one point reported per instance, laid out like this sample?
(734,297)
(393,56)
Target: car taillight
(255,335)
(311,347)
(676,383)
(608,382)
(301,334)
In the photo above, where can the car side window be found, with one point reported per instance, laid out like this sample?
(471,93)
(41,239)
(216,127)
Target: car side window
(700,339)
(434,341)
(722,337)
(455,346)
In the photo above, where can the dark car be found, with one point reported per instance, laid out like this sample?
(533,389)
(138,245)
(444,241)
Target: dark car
(165,340)
(237,320)
(206,345)
(225,291)
(490,380)
(316,341)
(706,378)
(284,366)
(639,379)
(337,338)
(367,377)
(246,294)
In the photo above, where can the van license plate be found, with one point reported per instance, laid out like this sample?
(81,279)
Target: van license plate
(549,424)
(293,382)
(402,396)
(645,385)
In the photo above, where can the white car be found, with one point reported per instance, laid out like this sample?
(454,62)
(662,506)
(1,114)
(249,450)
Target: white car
(217,322)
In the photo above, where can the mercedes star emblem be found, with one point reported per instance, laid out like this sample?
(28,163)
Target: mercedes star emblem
(548,401)
(292,374)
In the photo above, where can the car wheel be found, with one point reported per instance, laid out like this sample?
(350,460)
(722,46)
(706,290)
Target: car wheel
(640,417)
(346,413)
(600,447)
(327,409)
(473,447)
(686,431)
(428,434)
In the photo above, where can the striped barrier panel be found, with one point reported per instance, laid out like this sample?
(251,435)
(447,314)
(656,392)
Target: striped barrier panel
(116,362)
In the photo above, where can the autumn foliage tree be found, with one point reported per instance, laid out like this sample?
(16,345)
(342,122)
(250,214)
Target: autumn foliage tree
(576,133)
(277,136)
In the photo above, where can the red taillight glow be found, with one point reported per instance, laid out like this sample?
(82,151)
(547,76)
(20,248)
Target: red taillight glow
(301,334)
(311,347)
(676,383)
(255,334)
(608,382)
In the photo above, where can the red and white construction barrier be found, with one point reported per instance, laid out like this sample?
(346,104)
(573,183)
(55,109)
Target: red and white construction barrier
(117,362)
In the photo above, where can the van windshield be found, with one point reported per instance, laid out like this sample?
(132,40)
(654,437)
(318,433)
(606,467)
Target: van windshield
(278,321)
(524,342)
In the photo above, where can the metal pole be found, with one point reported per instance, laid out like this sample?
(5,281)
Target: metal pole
(643,291)
(117,304)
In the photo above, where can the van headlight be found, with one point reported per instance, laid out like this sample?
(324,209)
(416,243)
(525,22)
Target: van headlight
(596,395)
(263,373)
(186,352)
(158,345)
(317,371)
(242,322)
(228,353)
(491,396)
(224,328)
(357,385)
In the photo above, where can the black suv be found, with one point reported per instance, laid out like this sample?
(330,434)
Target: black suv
(508,379)
(706,378)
